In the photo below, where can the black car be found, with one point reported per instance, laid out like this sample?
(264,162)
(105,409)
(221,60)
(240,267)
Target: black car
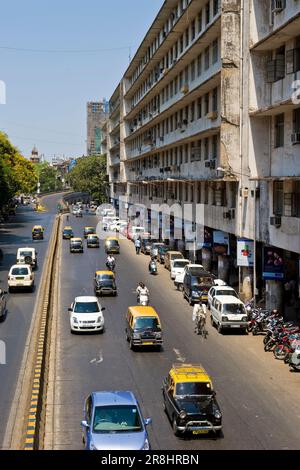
(92,241)
(190,402)
(162,250)
(2,304)
(196,284)
(105,283)
(146,246)
(67,233)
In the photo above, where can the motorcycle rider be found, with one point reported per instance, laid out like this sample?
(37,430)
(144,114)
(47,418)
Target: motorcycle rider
(152,264)
(141,290)
(199,315)
(110,262)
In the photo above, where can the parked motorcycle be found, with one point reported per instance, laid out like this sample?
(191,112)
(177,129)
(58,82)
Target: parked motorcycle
(293,358)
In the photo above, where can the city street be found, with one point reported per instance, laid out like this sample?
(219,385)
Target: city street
(14,329)
(257,394)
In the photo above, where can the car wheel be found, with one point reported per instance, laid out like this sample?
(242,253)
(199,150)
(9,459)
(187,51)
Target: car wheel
(212,321)
(131,345)
(220,329)
(175,427)
(191,303)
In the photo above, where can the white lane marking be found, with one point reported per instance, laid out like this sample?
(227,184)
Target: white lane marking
(179,357)
(97,360)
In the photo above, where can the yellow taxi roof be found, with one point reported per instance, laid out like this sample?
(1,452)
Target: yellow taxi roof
(111,238)
(189,373)
(93,235)
(98,273)
(37,226)
(67,227)
(77,239)
(88,227)
(143,311)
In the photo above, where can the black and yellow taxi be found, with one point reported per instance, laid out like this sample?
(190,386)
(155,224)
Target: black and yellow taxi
(143,327)
(67,233)
(92,241)
(76,245)
(88,231)
(112,245)
(37,232)
(190,401)
(105,283)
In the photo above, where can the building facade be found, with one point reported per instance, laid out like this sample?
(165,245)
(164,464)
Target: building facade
(96,115)
(205,116)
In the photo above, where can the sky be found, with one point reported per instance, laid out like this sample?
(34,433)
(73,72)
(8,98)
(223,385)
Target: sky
(50,68)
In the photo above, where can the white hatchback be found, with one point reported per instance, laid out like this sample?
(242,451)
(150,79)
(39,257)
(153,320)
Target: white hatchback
(86,315)
(177,266)
(20,277)
(220,290)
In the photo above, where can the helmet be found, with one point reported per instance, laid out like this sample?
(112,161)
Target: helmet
(142,285)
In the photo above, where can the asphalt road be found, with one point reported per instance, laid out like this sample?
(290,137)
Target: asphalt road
(15,327)
(258,395)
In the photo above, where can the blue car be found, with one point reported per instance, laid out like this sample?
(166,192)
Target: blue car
(113,421)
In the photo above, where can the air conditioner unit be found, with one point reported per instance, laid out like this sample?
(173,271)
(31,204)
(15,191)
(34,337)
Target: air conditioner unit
(278,6)
(275,221)
(184,89)
(212,115)
(244,192)
(296,138)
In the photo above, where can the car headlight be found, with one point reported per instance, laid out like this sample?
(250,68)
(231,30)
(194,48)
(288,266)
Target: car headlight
(182,414)
(224,318)
(99,320)
(158,335)
(195,293)
(75,320)
(146,445)
(217,414)
(136,335)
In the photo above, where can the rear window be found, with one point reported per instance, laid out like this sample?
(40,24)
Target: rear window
(25,253)
(20,271)
(234,309)
(86,307)
(180,264)
(176,255)
(227,292)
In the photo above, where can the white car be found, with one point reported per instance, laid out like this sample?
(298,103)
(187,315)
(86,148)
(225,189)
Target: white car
(228,312)
(27,255)
(180,276)
(86,314)
(177,266)
(220,290)
(20,277)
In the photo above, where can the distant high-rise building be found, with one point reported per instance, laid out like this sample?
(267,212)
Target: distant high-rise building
(34,158)
(96,115)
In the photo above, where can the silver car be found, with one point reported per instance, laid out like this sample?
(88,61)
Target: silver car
(113,421)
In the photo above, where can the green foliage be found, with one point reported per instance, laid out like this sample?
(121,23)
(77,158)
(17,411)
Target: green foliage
(89,175)
(17,174)
(48,177)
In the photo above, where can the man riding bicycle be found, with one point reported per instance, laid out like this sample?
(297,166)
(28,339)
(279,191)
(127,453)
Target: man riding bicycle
(199,317)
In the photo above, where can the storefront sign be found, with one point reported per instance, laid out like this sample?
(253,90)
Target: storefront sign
(245,252)
(273,268)
(221,242)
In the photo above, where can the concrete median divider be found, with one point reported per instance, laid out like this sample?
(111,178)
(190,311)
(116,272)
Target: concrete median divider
(26,419)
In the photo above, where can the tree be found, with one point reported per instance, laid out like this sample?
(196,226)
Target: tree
(89,175)
(17,174)
(49,177)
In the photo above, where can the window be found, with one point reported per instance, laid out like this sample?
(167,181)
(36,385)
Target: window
(206,58)
(215,100)
(193,30)
(279,130)
(207,13)
(199,108)
(200,21)
(215,7)
(192,111)
(276,67)
(214,146)
(215,50)
(187,37)
(199,65)
(293,60)
(206,104)
(278,197)
(193,70)
(206,148)
(181,44)
(296,121)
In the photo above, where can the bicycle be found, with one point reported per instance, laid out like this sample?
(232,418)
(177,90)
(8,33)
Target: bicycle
(200,327)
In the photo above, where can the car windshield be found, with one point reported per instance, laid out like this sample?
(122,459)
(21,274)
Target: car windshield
(89,230)
(112,242)
(234,309)
(93,237)
(180,264)
(68,230)
(19,271)
(86,307)
(175,256)
(116,418)
(143,323)
(193,388)
(78,243)
(196,271)
(25,253)
(105,277)
(37,230)
(227,292)
(200,281)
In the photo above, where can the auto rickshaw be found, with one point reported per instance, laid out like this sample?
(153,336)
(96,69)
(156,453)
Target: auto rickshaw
(38,232)
(112,245)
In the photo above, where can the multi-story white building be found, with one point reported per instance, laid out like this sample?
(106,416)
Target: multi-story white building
(206,117)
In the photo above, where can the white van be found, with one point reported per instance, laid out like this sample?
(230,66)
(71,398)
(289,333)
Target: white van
(227,311)
(135,232)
